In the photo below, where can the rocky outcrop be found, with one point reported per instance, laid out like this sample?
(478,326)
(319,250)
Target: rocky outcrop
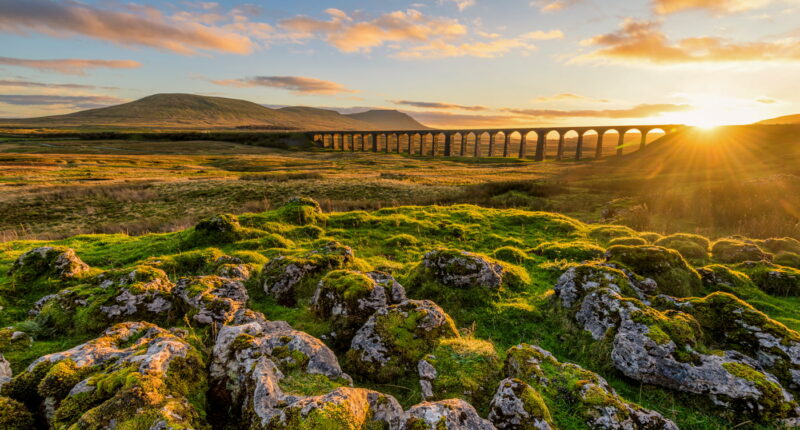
(253,357)
(212,299)
(143,291)
(672,274)
(394,339)
(667,349)
(518,406)
(120,378)
(284,276)
(594,400)
(48,261)
(347,299)
(345,408)
(448,414)
(5,371)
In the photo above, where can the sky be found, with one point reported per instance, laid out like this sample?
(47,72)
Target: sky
(448,63)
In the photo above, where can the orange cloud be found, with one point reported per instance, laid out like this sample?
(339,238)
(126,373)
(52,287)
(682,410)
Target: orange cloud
(349,35)
(296,84)
(543,35)
(553,5)
(567,97)
(717,6)
(70,66)
(439,105)
(32,84)
(643,41)
(83,102)
(142,26)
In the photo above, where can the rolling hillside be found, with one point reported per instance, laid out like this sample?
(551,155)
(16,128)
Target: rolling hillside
(788,119)
(189,111)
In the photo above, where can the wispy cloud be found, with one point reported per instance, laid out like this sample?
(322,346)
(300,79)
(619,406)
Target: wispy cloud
(644,42)
(639,111)
(83,102)
(715,6)
(439,105)
(70,66)
(134,25)
(295,84)
(553,5)
(460,4)
(31,84)
(543,35)
(566,97)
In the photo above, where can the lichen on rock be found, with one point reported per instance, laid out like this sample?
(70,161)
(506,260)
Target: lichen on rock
(518,406)
(394,339)
(211,299)
(445,414)
(48,261)
(673,275)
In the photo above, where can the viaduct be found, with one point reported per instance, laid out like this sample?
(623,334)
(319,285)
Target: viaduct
(452,143)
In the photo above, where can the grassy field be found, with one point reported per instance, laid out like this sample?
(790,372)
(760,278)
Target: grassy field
(740,180)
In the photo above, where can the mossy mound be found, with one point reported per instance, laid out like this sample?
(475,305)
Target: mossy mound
(771,278)
(717,277)
(401,241)
(134,376)
(223,228)
(301,211)
(693,247)
(517,405)
(627,241)
(48,262)
(730,251)
(14,415)
(394,339)
(788,259)
(462,368)
(510,254)
(572,251)
(780,244)
(667,267)
(605,233)
(651,237)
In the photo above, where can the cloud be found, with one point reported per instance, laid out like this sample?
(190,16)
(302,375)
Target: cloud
(453,120)
(70,66)
(665,7)
(553,5)
(639,111)
(644,42)
(567,97)
(439,105)
(461,4)
(542,35)
(31,84)
(766,101)
(83,102)
(134,26)
(349,35)
(296,84)
(441,49)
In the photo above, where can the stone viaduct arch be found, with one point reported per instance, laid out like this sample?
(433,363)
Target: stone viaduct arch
(539,143)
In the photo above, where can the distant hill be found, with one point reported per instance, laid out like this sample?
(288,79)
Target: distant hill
(189,111)
(388,119)
(788,119)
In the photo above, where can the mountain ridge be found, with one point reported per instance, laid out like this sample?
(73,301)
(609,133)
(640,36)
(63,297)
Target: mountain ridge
(191,111)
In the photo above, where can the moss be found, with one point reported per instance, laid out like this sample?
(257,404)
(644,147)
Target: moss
(780,244)
(14,415)
(632,240)
(678,327)
(533,404)
(692,247)
(788,259)
(717,277)
(605,233)
(401,241)
(306,232)
(651,237)
(60,379)
(572,251)
(224,228)
(302,383)
(771,278)
(772,406)
(667,267)
(301,211)
(194,262)
(269,240)
(736,251)
(466,368)
(510,254)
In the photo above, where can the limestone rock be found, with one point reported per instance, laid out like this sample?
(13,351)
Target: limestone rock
(451,414)
(5,371)
(596,402)
(284,275)
(518,406)
(51,261)
(394,339)
(144,291)
(670,271)
(462,269)
(117,379)
(347,299)
(344,408)
(252,356)
(213,298)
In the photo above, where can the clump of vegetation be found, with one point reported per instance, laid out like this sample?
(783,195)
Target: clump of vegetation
(572,251)
(510,254)
(605,233)
(786,258)
(717,277)
(14,415)
(736,251)
(219,229)
(771,278)
(631,241)
(667,267)
(401,241)
(301,211)
(693,247)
